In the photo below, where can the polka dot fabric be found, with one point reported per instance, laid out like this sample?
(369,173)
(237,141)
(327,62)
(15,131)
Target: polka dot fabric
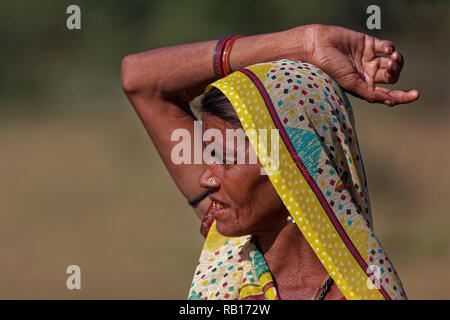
(320,178)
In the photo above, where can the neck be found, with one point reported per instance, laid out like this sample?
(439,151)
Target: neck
(292,262)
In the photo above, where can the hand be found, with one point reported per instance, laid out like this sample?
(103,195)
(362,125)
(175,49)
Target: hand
(351,59)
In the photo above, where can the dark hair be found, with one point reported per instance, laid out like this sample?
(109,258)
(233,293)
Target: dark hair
(217,104)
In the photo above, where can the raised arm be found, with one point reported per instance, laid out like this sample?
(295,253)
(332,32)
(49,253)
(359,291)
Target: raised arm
(160,83)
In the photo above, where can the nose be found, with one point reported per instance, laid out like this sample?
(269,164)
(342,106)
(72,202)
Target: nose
(208,179)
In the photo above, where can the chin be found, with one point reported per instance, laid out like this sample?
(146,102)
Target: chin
(228,230)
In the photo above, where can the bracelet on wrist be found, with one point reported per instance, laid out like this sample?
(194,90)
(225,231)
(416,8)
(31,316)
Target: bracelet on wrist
(226,55)
(221,56)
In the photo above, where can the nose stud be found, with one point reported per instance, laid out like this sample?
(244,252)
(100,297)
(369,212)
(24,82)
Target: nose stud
(212,180)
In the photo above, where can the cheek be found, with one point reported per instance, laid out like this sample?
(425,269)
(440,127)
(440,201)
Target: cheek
(254,201)
(270,198)
(250,192)
(240,181)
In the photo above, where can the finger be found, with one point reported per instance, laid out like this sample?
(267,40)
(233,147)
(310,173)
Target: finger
(370,93)
(388,71)
(398,58)
(384,46)
(384,95)
(399,96)
(387,63)
(386,76)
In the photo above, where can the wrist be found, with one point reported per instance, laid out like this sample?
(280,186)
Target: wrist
(289,44)
(306,39)
(295,44)
(298,45)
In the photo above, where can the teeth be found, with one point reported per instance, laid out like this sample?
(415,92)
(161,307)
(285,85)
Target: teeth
(217,205)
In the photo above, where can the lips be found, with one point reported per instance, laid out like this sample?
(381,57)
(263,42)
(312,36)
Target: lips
(218,206)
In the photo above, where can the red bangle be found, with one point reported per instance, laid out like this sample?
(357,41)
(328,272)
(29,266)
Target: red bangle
(217,56)
(226,55)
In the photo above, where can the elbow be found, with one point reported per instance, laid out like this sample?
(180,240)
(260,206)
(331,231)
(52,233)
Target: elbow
(133,78)
(127,75)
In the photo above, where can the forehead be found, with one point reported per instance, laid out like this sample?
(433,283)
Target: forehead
(226,131)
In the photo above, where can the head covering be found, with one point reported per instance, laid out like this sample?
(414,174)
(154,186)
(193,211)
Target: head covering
(320,179)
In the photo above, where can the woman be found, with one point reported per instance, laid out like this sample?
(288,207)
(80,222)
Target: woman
(326,249)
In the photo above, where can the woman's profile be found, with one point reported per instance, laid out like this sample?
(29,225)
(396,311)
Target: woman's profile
(295,223)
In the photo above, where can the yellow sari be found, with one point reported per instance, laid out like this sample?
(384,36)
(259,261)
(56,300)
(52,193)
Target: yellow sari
(320,179)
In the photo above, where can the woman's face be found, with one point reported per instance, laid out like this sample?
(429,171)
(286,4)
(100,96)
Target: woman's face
(245,201)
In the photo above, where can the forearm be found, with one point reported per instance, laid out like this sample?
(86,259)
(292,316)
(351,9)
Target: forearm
(188,67)
(160,83)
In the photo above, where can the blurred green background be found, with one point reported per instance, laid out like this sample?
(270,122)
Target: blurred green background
(80,182)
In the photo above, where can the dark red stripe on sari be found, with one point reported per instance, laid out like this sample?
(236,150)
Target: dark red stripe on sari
(264,94)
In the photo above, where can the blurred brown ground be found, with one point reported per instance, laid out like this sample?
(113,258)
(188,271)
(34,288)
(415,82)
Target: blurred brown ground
(80,182)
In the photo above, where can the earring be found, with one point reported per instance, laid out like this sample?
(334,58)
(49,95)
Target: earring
(212,180)
(290,219)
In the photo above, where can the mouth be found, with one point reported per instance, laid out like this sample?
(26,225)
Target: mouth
(218,207)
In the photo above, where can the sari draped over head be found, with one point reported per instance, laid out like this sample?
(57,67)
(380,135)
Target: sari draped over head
(320,179)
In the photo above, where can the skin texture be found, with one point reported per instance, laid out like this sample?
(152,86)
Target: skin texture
(254,207)
(254,204)
(351,58)
(159,83)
